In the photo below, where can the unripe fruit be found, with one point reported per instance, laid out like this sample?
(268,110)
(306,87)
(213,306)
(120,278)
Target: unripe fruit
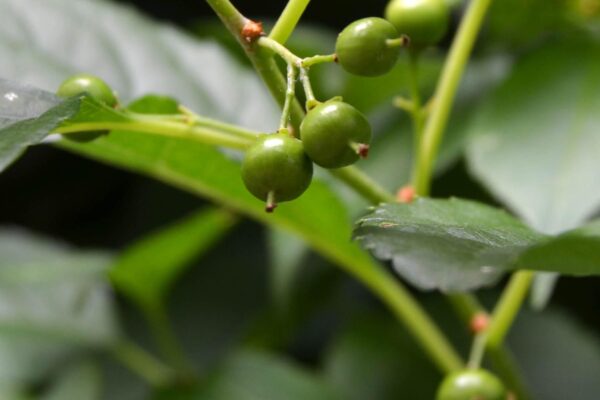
(95,88)
(363,49)
(424,21)
(276,169)
(335,134)
(475,384)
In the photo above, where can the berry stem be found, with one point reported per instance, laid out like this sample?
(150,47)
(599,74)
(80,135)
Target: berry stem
(287,21)
(401,41)
(311,100)
(280,50)
(290,95)
(361,149)
(508,306)
(271,203)
(308,62)
(477,351)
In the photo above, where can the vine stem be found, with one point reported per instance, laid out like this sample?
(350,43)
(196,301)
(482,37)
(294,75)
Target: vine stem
(288,20)
(381,282)
(143,363)
(445,93)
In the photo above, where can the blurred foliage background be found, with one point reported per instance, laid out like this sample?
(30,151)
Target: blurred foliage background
(318,318)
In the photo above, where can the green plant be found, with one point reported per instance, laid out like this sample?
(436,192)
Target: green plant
(368,47)
(470,385)
(526,127)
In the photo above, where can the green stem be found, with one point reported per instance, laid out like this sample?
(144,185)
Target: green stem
(477,351)
(143,364)
(508,306)
(289,97)
(288,20)
(363,185)
(280,50)
(308,62)
(404,306)
(311,100)
(200,121)
(445,93)
(167,128)
(416,110)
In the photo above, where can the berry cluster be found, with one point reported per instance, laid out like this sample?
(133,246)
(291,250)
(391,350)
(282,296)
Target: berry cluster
(279,167)
(334,134)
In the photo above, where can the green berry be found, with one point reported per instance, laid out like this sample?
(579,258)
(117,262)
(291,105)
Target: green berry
(97,89)
(90,84)
(425,22)
(476,384)
(335,134)
(363,49)
(276,169)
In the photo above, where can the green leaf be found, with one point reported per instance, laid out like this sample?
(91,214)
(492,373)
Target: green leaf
(148,268)
(198,73)
(17,132)
(451,245)
(535,142)
(79,381)
(369,359)
(55,302)
(31,114)
(251,375)
(575,252)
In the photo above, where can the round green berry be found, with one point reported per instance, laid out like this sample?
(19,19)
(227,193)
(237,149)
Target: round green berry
(90,84)
(363,47)
(475,384)
(425,22)
(97,89)
(276,169)
(335,134)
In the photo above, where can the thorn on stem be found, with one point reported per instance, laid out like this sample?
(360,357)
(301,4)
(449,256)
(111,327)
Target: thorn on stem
(252,30)
(406,194)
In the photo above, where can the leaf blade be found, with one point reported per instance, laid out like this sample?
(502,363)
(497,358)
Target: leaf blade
(451,245)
